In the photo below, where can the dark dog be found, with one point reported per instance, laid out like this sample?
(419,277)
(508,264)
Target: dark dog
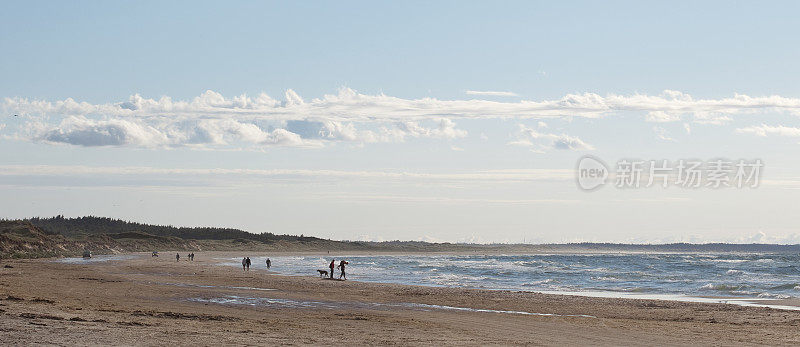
(322,273)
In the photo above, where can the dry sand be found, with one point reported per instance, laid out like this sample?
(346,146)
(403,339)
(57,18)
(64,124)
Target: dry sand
(148,301)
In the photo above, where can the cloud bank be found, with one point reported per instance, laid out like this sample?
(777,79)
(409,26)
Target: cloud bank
(349,105)
(213,120)
(490,93)
(539,141)
(766,130)
(493,176)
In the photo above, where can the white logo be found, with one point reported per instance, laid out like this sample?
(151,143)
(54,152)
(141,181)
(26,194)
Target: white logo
(591,173)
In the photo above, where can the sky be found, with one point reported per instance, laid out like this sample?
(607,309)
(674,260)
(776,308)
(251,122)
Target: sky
(456,121)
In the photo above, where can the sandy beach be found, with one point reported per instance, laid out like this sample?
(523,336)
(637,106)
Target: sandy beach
(158,301)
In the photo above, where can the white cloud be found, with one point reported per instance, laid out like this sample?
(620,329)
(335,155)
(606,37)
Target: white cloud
(490,93)
(711,118)
(429,238)
(540,142)
(661,117)
(446,129)
(370,238)
(226,176)
(397,132)
(78,130)
(441,129)
(349,105)
(661,134)
(212,119)
(762,237)
(328,130)
(570,143)
(766,130)
(507,175)
(82,131)
(293,99)
(224,132)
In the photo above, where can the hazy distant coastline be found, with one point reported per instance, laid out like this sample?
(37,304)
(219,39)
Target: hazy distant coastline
(59,236)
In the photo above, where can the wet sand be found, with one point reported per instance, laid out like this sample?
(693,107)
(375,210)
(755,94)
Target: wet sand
(157,301)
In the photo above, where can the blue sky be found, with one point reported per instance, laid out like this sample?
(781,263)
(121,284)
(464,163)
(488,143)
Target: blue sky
(453,121)
(104,51)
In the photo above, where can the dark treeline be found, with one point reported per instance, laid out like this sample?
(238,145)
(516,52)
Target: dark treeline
(102,225)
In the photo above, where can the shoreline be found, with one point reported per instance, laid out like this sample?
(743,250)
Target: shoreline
(792,303)
(119,302)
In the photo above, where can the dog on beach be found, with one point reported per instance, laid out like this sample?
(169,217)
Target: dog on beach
(323,273)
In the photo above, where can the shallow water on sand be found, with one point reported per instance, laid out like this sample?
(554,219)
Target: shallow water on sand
(96,259)
(288,303)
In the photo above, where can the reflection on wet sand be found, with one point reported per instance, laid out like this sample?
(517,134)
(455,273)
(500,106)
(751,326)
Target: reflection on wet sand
(289,303)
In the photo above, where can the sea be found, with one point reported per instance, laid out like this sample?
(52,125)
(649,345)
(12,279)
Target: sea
(692,277)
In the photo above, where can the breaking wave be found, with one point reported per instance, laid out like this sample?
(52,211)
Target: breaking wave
(728,275)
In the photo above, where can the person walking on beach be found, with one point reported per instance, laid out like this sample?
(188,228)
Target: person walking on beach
(332,266)
(269,263)
(341,268)
(177,257)
(244,264)
(248,263)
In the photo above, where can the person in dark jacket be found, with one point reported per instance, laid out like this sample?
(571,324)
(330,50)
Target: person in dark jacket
(341,268)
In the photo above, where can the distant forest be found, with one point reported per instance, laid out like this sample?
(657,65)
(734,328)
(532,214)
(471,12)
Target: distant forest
(102,225)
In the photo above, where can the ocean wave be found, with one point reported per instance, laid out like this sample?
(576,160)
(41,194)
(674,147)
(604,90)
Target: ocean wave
(734,261)
(454,279)
(794,286)
(733,274)
(537,283)
(723,287)
(774,296)
(765,260)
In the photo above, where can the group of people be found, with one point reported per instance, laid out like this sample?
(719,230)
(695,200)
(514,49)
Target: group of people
(178,256)
(341,267)
(246,263)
